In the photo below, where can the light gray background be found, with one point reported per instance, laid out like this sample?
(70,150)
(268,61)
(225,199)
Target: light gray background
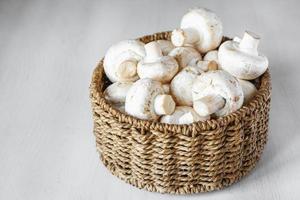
(48,50)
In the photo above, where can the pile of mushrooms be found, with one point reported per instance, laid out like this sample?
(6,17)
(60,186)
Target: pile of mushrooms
(193,77)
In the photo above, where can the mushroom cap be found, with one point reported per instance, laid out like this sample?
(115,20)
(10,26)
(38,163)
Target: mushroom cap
(140,98)
(131,50)
(116,92)
(249,90)
(207,24)
(219,82)
(184,55)
(166,46)
(179,112)
(240,64)
(181,86)
(162,69)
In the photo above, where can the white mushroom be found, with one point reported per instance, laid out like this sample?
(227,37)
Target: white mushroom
(249,90)
(156,66)
(236,39)
(241,59)
(166,46)
(185,55)
(146,100)
(216,92)
(116,92)
(121,60)
(204,65)
(182,115)
(120,107)
(181,86)
(201,28)
(212,56)
(188,118)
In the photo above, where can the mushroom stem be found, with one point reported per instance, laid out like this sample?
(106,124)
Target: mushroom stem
(164,104)
(207,65)
(127,69)
(153,51)
(249,43)
(181,37)
(209,104)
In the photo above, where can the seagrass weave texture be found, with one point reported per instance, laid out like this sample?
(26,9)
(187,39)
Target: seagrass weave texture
(198,157)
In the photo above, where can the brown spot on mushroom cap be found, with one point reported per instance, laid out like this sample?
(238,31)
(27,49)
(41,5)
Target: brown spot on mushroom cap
(233,82)
(236,98)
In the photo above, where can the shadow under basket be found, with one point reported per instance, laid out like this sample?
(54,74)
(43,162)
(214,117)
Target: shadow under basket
(181,159)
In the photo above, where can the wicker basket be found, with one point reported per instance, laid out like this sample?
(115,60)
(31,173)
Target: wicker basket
(181,159)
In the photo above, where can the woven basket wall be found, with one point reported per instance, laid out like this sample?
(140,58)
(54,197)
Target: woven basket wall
(199,157)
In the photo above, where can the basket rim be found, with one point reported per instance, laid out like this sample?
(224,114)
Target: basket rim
(96,94)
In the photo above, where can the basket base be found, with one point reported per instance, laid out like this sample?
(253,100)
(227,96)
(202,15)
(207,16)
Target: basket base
(188,189)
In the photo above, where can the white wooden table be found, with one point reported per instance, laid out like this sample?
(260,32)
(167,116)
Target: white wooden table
(48,50)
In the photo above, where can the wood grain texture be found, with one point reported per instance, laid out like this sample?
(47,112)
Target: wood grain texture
(48,50)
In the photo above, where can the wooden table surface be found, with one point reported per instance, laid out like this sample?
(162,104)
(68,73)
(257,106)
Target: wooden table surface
(48,50)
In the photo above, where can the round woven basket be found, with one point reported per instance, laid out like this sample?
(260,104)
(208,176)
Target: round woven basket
(181,159)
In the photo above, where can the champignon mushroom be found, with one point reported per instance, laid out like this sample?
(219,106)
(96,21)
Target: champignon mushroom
(212,56)
(241,59)
(190,117)
(121,60)
(166,46)
(181,85)
(249,90)
(146,100)
(236,39)
(182,115)
(204,65)
(116,92)
(156,66)
(216,92)
(201,28)
(120,107)
(185,55)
